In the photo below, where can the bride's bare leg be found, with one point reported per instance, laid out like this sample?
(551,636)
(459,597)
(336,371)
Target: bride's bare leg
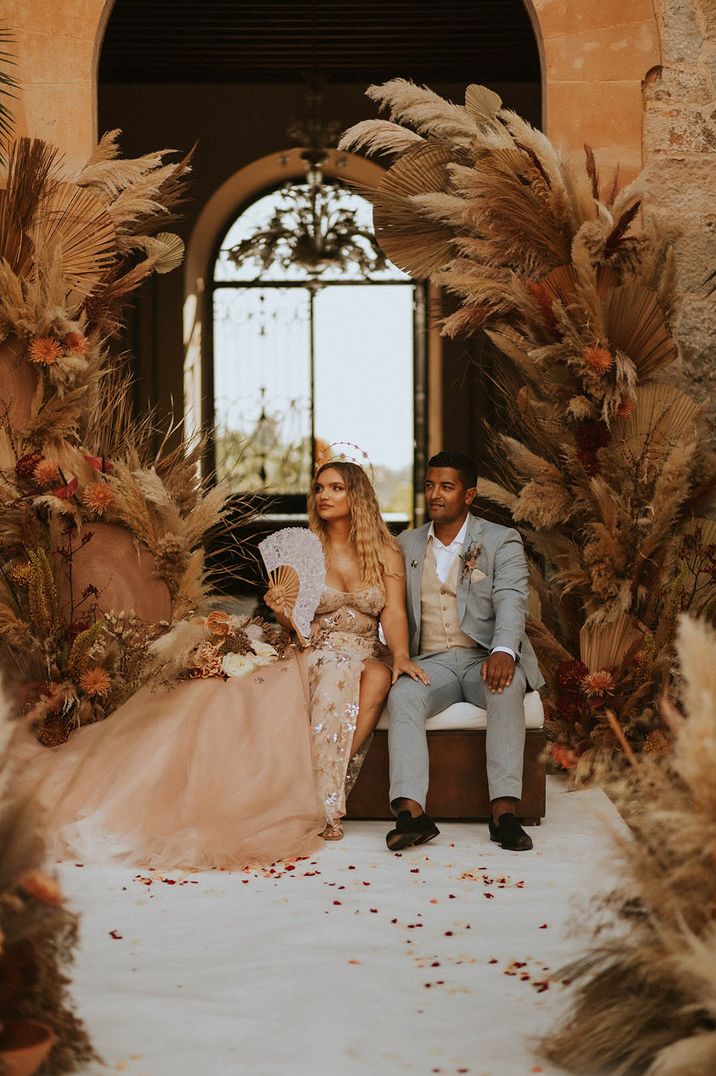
(374,687)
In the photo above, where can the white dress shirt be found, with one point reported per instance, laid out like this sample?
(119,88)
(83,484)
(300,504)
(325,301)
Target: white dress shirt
(444,559)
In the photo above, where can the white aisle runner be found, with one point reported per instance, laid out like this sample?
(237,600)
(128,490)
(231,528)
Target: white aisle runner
(356,962)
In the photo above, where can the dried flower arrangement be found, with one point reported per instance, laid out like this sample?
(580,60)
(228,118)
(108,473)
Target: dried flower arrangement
(606,479)
(38,935)
(82,484)
(645,996)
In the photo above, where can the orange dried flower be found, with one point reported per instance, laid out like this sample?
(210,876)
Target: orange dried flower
(598,358)
(76,343)
(46,472)
(625,408)
(38,885)
(44,350)
(218,622)
(598,683)
(564,756)
(97,497)
(95,682)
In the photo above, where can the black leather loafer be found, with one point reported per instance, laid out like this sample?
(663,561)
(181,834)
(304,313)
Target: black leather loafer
(509,834)
(409,831)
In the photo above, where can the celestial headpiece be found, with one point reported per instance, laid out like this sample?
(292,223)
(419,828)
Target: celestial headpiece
(361,458)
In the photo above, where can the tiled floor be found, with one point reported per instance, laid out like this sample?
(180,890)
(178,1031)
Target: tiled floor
(439,960)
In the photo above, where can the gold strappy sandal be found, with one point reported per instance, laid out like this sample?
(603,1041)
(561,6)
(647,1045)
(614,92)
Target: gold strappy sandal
(333,830)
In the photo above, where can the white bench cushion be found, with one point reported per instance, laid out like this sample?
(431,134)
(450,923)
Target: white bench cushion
(463,715)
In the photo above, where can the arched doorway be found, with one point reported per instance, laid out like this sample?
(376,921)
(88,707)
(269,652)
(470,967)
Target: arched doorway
(302,356)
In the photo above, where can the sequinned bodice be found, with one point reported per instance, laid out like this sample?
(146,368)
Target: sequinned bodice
(352,614)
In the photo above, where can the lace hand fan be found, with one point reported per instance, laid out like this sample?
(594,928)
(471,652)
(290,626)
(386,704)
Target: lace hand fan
(294,561)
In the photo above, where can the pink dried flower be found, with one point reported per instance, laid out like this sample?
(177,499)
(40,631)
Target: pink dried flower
(598,683)
(44,350)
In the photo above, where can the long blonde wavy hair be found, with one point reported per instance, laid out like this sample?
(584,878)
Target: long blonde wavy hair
(370,536)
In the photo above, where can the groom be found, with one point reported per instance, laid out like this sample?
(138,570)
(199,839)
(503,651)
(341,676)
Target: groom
(467,602)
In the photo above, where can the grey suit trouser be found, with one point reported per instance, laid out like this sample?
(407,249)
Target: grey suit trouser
(455,677)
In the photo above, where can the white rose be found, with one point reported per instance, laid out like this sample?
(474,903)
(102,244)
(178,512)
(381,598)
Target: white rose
(265,653)
(238,664)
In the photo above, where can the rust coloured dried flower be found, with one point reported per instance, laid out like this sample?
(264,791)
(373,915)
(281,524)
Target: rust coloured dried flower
(75,343)
(46,473)
(218,622)
(44,350)
(96,682)
(598,358)
(97,497)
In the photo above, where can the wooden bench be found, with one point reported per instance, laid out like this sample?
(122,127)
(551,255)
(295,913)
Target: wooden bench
(458,777)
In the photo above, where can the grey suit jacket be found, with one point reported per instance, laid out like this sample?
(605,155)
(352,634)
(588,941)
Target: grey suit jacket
(492,610)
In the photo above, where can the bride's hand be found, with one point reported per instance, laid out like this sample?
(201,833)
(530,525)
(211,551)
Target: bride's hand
(404,666)
(275,598)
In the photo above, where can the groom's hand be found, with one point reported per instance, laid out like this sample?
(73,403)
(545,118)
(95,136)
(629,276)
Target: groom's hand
(497,671)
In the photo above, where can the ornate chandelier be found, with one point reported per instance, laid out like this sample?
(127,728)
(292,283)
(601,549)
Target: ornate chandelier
(314,224)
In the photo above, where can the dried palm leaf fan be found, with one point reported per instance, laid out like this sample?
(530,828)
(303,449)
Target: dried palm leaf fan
(605,645)
(29,178)
(482,104)
(662,414)
(635,324)
(74,221)
(412,242)
(286,579)
(168,248)
(562,283)
(15,245)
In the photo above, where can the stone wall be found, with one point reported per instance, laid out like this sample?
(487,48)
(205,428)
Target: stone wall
(680,154)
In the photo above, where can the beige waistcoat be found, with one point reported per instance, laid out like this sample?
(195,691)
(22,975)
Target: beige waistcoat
(439,623)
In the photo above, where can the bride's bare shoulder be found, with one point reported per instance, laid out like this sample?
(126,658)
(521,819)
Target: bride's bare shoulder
(394,563)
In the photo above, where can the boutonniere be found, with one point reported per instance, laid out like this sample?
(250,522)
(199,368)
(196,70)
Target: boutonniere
(469,561)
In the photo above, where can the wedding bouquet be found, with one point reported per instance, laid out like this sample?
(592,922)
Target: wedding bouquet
(234,646)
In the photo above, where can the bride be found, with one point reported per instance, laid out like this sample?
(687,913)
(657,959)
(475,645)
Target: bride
(251,770)
(347,674)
